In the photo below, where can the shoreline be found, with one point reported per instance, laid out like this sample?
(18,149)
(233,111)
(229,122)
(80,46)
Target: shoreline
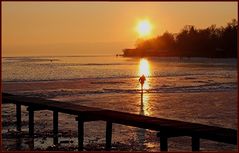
(180,57)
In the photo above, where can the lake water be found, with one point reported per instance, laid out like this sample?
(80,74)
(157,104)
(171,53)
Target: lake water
(197,90)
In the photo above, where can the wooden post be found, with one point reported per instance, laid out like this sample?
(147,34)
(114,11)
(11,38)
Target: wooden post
(18,116)
(108,135)
(31,122)
(195,143)
(55,127)
(163,142)
(80,134)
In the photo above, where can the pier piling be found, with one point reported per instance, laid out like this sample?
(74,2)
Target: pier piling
(108,135)
(55,127)
(80,134)
(31,122)
(18,116)
(163,142)
(195,143)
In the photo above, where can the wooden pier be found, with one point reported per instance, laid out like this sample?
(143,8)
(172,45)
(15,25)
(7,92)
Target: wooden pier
(167,128)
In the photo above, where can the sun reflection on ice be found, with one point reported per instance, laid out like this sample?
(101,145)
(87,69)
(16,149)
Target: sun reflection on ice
(144,107)
(144,69)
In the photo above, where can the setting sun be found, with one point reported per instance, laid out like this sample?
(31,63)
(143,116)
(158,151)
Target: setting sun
(144,28)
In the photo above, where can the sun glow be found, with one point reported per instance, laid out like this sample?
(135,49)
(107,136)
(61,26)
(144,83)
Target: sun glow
(144,28)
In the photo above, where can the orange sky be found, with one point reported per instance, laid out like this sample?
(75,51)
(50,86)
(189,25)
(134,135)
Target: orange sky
(76,28)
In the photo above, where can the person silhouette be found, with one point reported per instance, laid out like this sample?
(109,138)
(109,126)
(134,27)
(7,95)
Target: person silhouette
(142,80)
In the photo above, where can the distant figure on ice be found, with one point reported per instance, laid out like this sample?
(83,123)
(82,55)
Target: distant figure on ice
(142,80)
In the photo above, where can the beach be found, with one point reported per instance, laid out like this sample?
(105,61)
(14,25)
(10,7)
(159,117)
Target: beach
(198,90)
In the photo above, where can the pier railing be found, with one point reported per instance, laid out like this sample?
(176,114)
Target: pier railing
(167,128)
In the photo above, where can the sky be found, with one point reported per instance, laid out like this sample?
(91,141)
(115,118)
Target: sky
(95,28)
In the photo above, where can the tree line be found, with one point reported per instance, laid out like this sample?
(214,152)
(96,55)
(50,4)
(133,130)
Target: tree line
(191,42)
